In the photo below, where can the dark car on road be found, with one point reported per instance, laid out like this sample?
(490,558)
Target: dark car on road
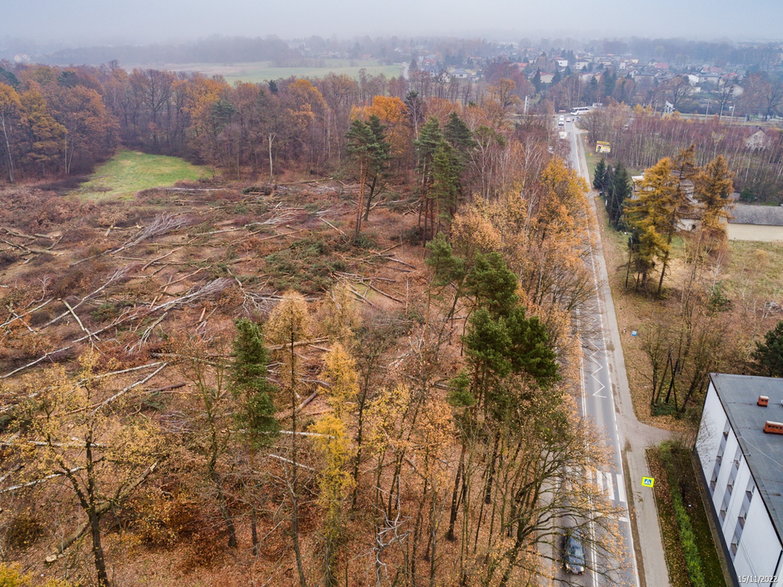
(573,552)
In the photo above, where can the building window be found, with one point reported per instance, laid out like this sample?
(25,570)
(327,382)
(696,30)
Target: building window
(719,457)
(734,470)
(724,507)
(750,489)
(737,457)
(735,541)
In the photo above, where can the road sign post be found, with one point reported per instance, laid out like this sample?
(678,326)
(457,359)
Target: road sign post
(648,482)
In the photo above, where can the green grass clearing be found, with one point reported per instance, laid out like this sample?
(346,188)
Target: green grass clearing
(261,71)
(131,171)
(755,267)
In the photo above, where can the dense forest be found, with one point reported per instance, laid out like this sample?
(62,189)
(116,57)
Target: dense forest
(59,121)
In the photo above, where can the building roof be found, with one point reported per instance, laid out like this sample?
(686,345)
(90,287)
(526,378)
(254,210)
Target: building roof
(763,452)
(749,214)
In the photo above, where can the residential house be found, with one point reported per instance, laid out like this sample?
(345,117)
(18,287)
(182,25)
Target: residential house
(758,141)
(756,223)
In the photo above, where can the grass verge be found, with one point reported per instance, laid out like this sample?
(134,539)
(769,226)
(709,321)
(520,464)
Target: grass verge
(691,554)
(131,171)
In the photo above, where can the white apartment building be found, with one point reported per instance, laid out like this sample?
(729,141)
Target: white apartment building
(742,468)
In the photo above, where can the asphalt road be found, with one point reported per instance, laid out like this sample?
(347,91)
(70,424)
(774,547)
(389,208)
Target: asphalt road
(598,405)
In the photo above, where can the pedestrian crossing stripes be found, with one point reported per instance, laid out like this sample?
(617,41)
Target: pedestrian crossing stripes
(610,484)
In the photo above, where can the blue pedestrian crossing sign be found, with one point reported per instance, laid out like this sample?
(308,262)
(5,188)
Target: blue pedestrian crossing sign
(648,481)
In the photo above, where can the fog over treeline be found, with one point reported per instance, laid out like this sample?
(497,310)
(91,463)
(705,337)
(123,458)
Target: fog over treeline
(45,23)
(313,50)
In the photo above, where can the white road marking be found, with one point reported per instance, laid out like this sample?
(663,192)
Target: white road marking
(609,486)
(621,488)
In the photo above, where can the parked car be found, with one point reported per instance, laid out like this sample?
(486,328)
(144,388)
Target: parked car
(573,552)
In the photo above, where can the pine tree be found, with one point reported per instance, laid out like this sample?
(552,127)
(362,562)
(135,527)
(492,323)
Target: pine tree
(380,153)
(769,354)
(445,181)
(430,138)
(619,191)
(492,284)
(487,342)
(447,267)
(530,350)
(599,177)
(608,188)
(536,81)
(458,135)
(249,380)
(360,141)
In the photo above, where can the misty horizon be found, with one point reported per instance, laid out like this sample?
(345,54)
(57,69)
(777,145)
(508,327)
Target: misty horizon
(88,23)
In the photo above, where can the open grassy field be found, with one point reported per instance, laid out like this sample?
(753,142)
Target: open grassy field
(129,172)
(261,71)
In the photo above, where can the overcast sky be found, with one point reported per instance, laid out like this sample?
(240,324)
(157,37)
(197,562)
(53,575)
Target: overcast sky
(122,21)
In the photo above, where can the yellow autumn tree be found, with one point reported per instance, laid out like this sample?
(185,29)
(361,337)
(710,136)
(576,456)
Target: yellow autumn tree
(73,429)
(340,315)
(340,372)
(10,107)
(335,483)
(289,325)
